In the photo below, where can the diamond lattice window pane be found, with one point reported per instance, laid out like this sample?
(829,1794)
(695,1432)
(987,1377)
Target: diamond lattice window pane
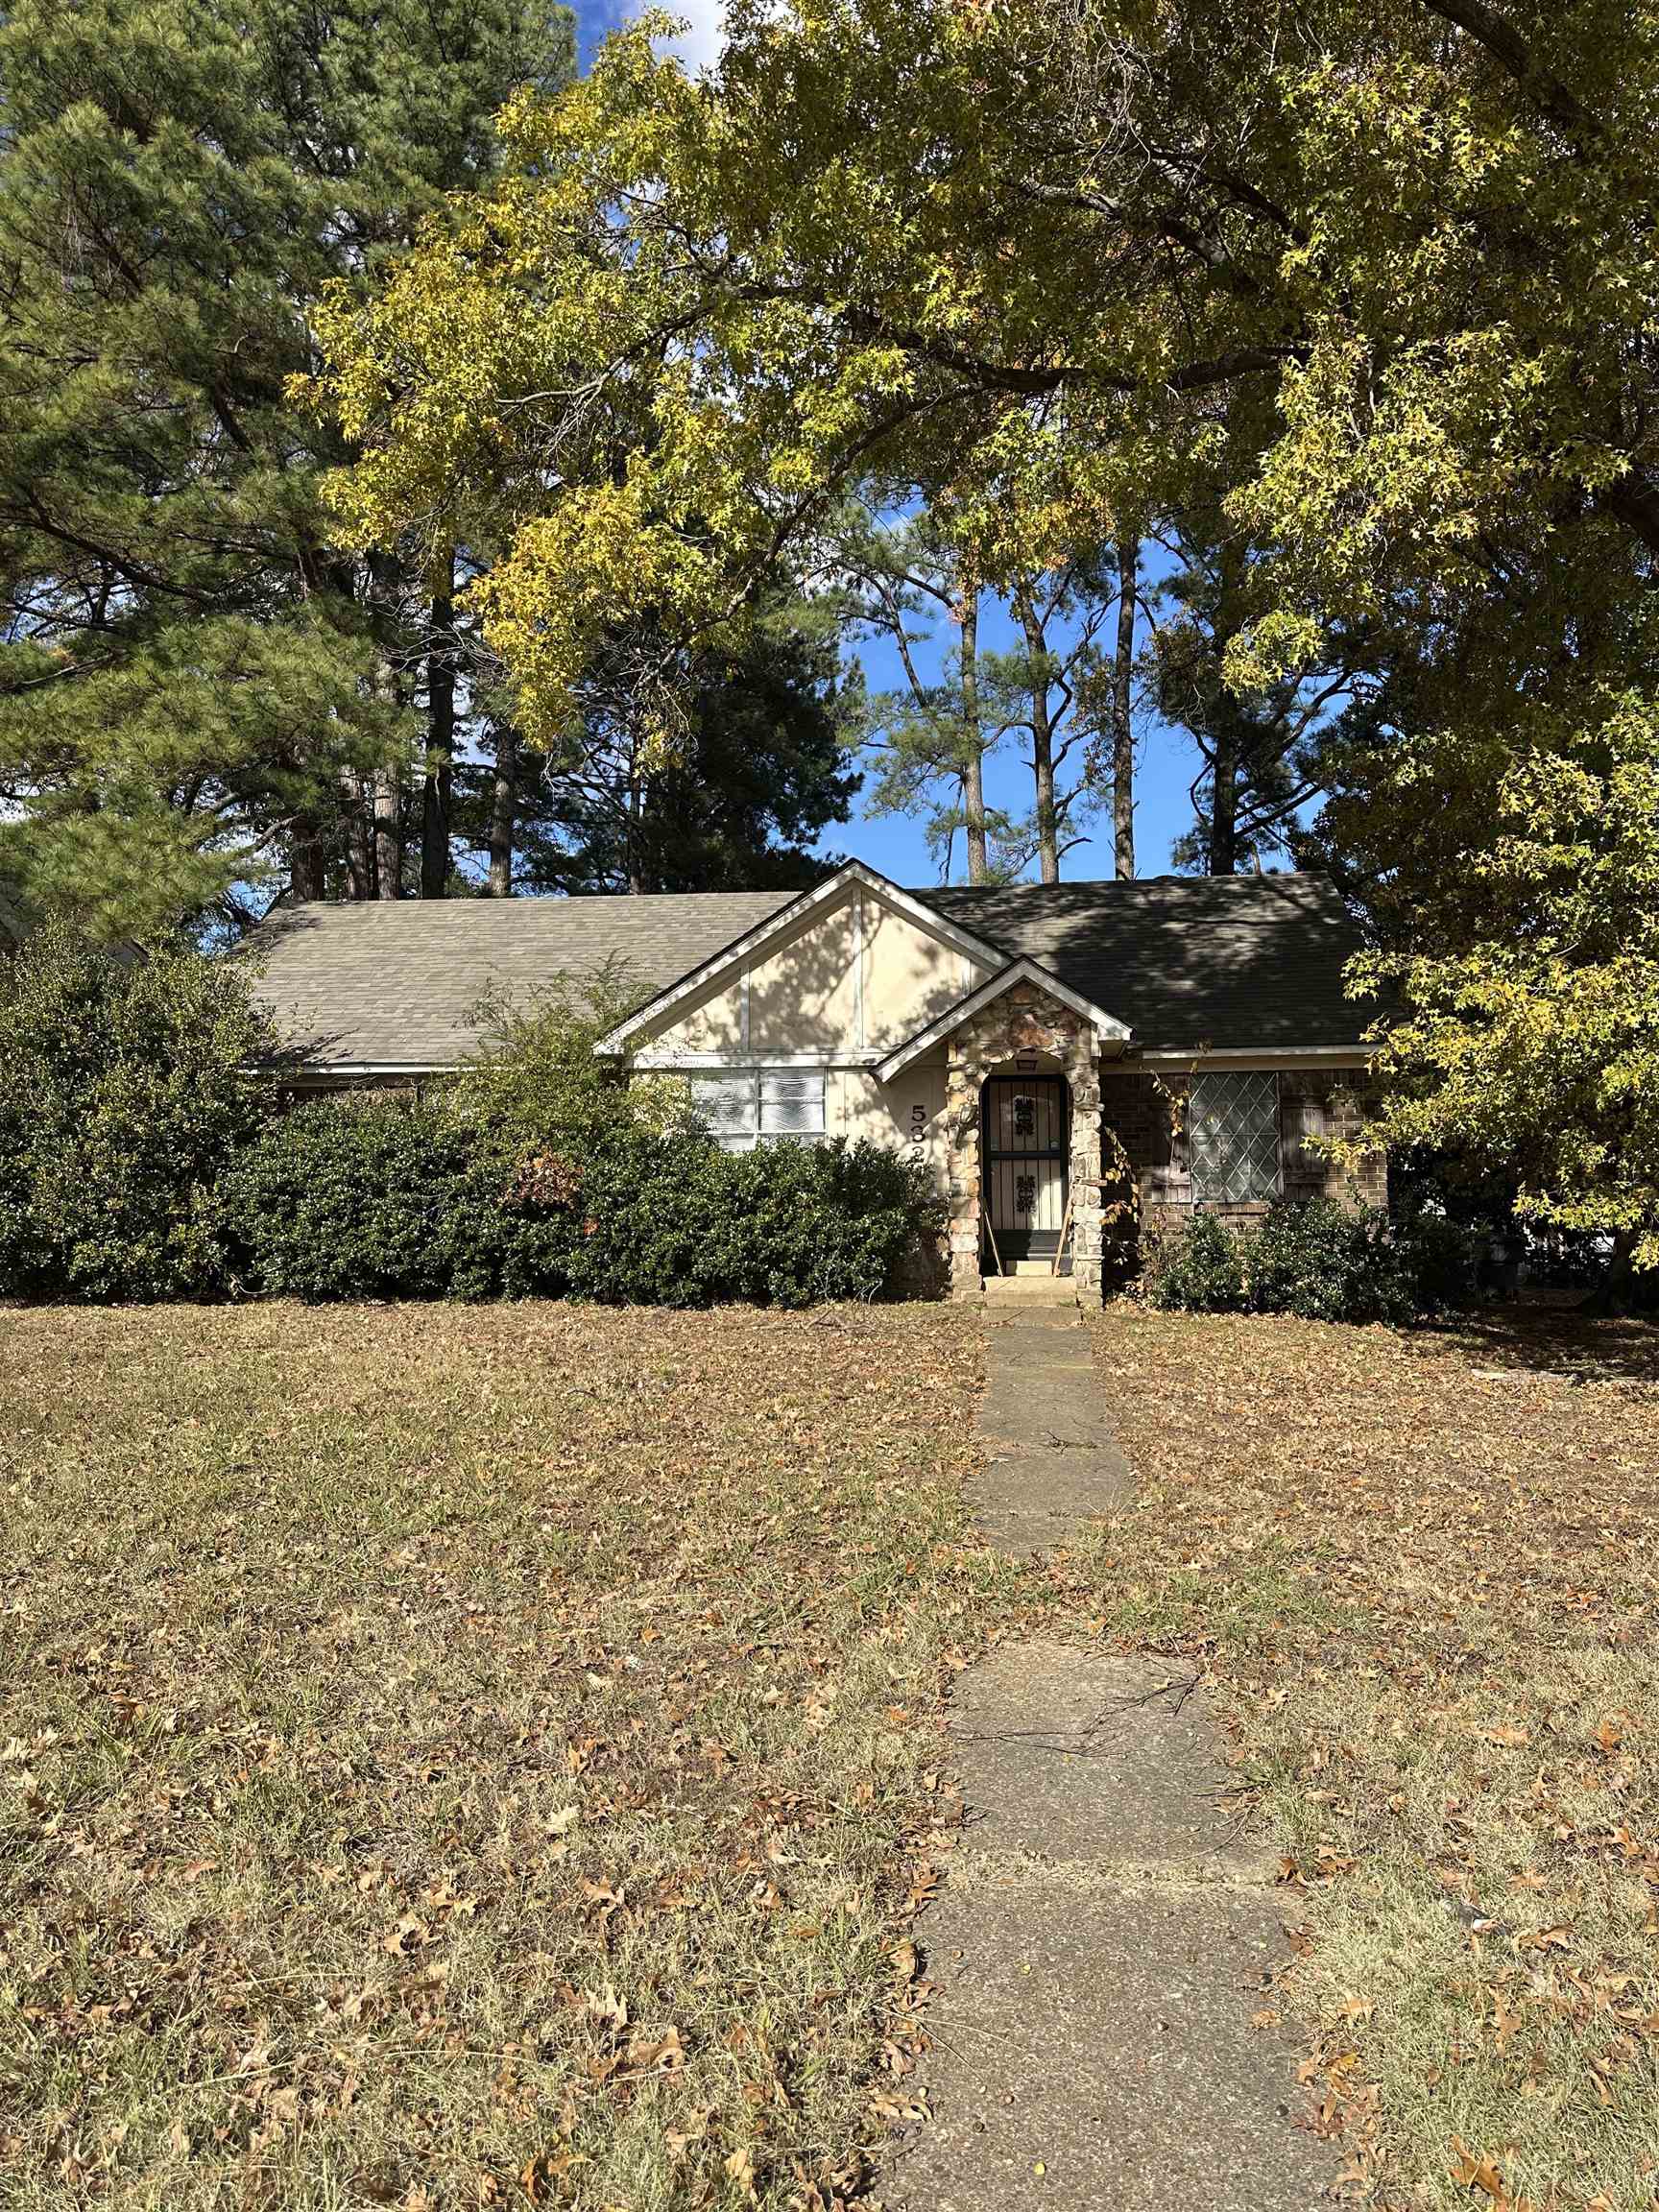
(1233,1132)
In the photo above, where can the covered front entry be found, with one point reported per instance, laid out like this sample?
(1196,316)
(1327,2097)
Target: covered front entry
(1027,1144)
(1023,1036)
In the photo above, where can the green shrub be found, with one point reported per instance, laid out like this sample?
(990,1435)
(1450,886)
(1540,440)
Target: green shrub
(1444,1259)
(1317,1260)
(1326,1262)
(367,1198)
(538,1087)
(676,1222)
(127,1086)
(392,1199)
(1198,1269)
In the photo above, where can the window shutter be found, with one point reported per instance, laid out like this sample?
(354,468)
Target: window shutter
(1304,1123)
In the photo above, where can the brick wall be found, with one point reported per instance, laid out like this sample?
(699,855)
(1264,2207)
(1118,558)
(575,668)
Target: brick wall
(1140,1109)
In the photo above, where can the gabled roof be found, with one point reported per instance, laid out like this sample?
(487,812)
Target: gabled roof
(710,972)
(393,986)
(1106,1027)
(1233,964)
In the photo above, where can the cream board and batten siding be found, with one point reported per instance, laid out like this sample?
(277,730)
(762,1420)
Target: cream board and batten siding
(845,987)
(908,1114)
(910,977)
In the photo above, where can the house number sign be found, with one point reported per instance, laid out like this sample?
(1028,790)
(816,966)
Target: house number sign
(919,1131)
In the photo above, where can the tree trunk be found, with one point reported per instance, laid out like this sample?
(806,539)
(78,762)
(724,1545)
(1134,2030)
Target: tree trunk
(635,807)
(359,846)
(388,833)
(972,743)
(436,788)
(386,852)
(1222,858)
(306,870)
(1123,726)
(1228,768)
(503,813)
(1042,741)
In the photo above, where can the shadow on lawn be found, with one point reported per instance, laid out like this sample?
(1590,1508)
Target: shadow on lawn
(1558,1339)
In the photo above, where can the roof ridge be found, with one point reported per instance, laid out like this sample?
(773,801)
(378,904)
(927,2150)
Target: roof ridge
(1126,882)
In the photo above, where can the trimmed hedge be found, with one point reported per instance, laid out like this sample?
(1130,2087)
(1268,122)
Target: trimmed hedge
(393,1199)
(1319,1261)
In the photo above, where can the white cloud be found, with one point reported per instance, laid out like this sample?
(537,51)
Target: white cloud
(699,47)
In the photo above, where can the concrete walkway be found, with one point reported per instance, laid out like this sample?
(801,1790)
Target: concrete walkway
(1106,1931)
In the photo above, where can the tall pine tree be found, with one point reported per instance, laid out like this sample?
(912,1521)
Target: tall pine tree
(196,690)
(762,769)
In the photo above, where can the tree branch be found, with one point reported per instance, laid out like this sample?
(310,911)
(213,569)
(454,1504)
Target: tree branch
(1633,501)
(1512,54)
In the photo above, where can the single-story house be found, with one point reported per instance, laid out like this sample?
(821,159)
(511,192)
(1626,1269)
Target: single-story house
(996,1033)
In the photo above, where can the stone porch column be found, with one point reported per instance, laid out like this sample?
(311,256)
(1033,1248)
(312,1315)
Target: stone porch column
(961,1080)
(1027,1021)
(1083,1071)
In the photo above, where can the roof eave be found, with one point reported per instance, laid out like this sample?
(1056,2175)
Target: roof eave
(1357,1055)
(1108,1029)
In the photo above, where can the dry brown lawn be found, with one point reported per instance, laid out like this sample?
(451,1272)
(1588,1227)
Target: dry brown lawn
(1423,1573)
(455,1758)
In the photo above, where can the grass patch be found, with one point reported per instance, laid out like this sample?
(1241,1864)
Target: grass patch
(469,1756)
(1422,1571)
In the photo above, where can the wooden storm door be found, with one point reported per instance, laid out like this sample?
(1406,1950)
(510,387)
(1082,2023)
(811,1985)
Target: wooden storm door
(1027,1143)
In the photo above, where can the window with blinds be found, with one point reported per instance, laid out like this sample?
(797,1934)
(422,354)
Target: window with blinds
(1233,1138)
(742,1108)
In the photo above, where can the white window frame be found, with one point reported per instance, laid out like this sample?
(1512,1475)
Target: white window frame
(762,1105)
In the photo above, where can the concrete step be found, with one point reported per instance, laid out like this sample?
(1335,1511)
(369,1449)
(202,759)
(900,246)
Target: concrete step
(1029,1291)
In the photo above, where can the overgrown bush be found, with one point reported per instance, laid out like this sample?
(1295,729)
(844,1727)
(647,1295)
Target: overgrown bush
(142,1156)
(1317,1260)
(1446,1261)
(384,1198)
(678,1222)
(1198,1269)
(1326,1262)
(127,1086)
(390,1199)
(538,1087)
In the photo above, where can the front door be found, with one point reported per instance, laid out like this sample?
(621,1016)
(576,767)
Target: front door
(1026,1143)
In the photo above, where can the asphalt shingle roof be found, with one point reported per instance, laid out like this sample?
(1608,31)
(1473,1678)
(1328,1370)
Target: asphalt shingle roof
(1231,962)
(1240,963)
(395,984)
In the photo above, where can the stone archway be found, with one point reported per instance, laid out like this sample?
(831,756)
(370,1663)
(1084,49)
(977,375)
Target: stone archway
(1024,1020)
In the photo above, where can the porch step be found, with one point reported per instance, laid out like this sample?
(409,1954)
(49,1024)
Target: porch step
(1043,1290)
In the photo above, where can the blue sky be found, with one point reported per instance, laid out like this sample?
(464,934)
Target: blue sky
(1167,760)
(1166,764)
